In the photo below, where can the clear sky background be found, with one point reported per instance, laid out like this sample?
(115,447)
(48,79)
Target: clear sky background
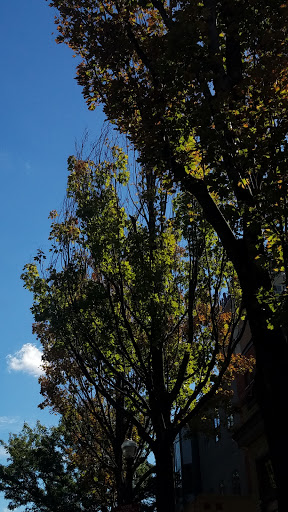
(42,115)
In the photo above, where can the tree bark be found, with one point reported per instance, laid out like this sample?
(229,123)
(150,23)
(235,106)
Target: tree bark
(271,350)
(270,344)
(271,383)
(165,488)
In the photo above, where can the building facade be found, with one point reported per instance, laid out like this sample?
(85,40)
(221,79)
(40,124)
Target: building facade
(229,468)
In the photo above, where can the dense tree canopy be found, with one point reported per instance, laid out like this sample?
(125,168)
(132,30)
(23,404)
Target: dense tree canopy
(200,87)
(42,475)
(203,88)
(130,312)
(65,468)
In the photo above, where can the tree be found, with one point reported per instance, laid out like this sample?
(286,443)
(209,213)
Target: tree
(42,475)
(58,469)
(201,90)
(96,428)
(130,314)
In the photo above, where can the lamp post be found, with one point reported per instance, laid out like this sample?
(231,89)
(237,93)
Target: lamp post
(129,449)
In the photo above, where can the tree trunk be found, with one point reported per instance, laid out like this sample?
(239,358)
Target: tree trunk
(271,391)
(165,488)
(271,372)
(270,343)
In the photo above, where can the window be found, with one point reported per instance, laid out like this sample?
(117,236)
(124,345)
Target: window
(230,421)
(270,473)
(278,288)
(222,488)
(217,425)
(236,487)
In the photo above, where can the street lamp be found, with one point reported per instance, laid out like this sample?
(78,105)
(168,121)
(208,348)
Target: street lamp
(129,449)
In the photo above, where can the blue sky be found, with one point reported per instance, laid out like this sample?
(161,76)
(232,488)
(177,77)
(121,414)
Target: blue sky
(42,115)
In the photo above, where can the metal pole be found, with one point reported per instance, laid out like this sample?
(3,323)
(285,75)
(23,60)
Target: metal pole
(129,480)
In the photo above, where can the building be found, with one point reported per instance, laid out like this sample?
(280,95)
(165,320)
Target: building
(228,469)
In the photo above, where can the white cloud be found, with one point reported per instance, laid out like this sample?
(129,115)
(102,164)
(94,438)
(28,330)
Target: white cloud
(7,420)
(28,359)
(8,423)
